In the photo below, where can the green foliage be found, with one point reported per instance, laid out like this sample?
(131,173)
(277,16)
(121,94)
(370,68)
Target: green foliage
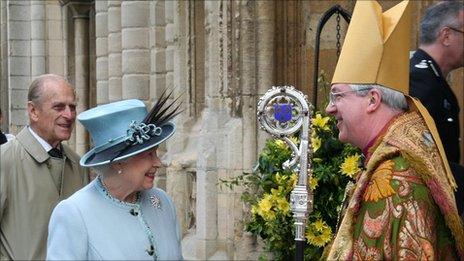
(267,189)
(269,185)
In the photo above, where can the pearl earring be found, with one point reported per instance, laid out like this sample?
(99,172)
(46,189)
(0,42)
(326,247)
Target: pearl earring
(119,171)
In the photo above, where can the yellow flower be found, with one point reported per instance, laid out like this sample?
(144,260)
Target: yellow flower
(276,192)
(283,205)
(280,144)
(265,204)
(350,166)
(269,215)
(282,180)
(295,140)
(313,182)
(264,208)
(318,233)
(319,225)
(293,180)
(316,143)
(310,236)
(320,122)
(279,178)
(326,235)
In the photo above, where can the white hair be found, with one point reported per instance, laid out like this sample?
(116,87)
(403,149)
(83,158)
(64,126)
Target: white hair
(393,99)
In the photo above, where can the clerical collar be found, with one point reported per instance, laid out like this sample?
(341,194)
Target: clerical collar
(372,145)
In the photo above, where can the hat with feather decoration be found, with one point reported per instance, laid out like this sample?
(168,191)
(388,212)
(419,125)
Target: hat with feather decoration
(123,129)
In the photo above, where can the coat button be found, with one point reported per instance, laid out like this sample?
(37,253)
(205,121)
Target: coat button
(150,250)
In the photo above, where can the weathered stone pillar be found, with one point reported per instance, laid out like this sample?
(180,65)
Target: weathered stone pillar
(114,51)
(135,17)
(248,81)
(80,17)
(19,67)
(170,34)
(157,48)
(37,38)
(265,32)
(207,172)
(158,62)
(101,34)
(4,57)
(56,38)
(182,149)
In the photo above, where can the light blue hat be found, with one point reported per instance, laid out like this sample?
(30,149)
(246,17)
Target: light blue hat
(122,129)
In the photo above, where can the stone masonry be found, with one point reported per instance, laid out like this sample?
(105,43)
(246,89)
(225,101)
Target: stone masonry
(220,56)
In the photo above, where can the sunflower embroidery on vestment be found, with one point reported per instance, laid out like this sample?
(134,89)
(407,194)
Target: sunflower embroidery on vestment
(379,186)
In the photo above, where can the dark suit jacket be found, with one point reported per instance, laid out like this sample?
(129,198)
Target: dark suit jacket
(427,83)
(3,138)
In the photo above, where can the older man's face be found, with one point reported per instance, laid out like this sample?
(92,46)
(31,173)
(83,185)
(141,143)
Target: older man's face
(349,110)
(453,43)
(53,119)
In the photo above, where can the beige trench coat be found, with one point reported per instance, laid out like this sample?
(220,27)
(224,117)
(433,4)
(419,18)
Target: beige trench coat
(31,185)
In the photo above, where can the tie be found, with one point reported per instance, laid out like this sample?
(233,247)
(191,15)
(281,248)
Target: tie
(56,153)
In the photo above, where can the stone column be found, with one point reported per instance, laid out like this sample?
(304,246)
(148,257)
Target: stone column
(80,12)
(208,149)
(135,17)
(56,38)
(182,147)
(101,33)
(19,67)
(4,99)
(265,55)
(257,45)
(158,63)
(37,38)
(170,44)
(114,51)
(248,80)
(158,43)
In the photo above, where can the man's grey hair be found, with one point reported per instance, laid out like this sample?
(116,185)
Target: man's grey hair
(35,94)
(393,99)
(438,16)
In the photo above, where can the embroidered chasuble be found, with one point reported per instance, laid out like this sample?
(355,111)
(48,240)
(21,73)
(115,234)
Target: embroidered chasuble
(401,208)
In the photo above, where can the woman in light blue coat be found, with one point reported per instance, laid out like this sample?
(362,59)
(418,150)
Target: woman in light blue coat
(119,215)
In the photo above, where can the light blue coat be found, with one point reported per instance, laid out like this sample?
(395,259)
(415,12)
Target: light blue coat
(92,225)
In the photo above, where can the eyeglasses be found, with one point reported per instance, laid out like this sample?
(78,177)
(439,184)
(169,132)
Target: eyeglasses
(334,96)
(455,29)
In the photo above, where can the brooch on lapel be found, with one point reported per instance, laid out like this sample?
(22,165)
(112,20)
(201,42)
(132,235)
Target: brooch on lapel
(155,201)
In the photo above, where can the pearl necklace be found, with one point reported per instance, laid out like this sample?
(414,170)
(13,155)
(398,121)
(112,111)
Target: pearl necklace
(105,188)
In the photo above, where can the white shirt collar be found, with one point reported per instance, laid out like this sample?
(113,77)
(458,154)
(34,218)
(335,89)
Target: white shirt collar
(42,142)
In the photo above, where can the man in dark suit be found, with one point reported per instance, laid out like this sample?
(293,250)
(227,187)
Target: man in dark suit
(3,137)
(441,50)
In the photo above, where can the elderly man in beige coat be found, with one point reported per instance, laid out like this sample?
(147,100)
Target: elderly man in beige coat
(37,171)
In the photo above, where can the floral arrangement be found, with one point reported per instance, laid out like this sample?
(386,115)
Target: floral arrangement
(267,190)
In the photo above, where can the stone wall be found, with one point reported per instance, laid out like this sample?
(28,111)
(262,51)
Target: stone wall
(221,56)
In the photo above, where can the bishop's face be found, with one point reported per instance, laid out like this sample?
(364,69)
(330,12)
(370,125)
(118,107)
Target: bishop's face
(349,110)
